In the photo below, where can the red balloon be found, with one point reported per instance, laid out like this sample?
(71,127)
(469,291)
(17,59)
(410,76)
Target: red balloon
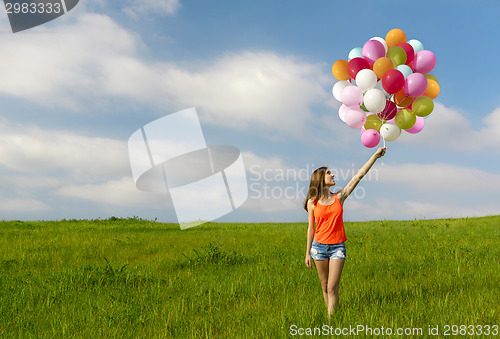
(389,111)
(392,81)
(410,52)
(356,65)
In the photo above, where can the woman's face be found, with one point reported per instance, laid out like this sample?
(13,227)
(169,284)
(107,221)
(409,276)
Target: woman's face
(329,178)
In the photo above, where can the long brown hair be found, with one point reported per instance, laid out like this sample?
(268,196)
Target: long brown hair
(316,185)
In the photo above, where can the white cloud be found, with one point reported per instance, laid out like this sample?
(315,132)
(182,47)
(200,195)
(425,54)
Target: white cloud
(407,209)
(115,192)
(28,182)
(8,204)
(41,166)
(138,8)
(440,177)
(249,89)
(491,132)
(94,59)
(66,66)
(450,129)
(34,150)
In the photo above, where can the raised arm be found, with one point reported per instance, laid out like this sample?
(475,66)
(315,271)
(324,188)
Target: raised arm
(346,191)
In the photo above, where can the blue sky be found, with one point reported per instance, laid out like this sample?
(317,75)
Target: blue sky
(259,74)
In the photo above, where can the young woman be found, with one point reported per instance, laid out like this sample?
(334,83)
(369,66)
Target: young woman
(325,242)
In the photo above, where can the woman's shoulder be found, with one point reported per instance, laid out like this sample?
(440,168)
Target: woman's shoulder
(340,194)
(311,202)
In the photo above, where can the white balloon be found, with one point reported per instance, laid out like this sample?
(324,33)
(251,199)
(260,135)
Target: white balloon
(338,88)
(382,40)
(417,45)
(366,79)
(404,69)
(390,131)
(374,100)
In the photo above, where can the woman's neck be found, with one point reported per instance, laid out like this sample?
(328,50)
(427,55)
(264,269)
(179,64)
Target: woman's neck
(327,194)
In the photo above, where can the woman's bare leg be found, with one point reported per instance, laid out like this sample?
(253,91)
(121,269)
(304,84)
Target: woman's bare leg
(323,268)
(335,270)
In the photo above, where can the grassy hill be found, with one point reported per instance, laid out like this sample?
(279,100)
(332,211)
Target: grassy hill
(133,278)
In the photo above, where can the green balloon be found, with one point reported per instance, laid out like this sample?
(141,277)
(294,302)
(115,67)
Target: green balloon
(422,106)
(432,77)
(397,55)
(373,122)
(405,119)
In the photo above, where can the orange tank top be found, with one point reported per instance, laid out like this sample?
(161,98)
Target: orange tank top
(329,223)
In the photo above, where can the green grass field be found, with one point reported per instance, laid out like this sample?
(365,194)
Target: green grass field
(129,278)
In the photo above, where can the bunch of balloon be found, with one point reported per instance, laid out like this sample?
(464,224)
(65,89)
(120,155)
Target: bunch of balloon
(385,87)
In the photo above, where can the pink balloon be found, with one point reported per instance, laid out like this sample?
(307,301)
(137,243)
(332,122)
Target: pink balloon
(370,138)
(419,125)
(424,62)
(389,111)
(352,96)
(415,85)
(372,50)
(355,118)
(342,112)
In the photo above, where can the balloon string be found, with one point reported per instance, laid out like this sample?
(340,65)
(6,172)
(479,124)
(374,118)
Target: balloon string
(383,157)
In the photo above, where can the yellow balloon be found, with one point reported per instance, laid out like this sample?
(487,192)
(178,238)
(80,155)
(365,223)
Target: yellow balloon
(339,70)
(395,36)
(373,122)
(381,66)
(405,119)
(422,106)
(433,89)
(397,55)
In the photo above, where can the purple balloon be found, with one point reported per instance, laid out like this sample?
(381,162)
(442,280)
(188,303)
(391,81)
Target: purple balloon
(419,125)
(370,138)
(424,62)
(372,50)
(352,96)
(415,85)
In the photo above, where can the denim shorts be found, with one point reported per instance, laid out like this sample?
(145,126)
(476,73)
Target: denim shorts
(328,251)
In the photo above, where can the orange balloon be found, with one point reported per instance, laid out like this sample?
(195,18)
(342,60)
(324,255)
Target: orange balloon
(381,66)
(433,89)
(395,37)
(339,70)
(402,100)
